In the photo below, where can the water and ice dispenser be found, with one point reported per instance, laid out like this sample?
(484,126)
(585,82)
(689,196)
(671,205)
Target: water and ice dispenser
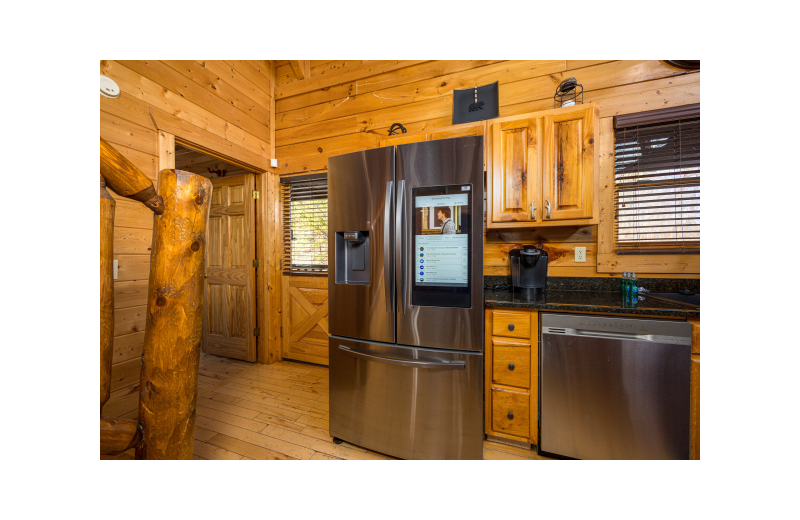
(352,257)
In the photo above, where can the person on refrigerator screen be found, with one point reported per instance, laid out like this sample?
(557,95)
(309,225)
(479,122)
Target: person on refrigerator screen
(448,226)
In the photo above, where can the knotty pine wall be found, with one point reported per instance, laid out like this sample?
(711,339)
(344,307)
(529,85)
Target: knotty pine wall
(225,106)
(347,106)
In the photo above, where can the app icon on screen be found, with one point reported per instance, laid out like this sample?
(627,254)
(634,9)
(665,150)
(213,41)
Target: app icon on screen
(421,273)
(422,249)
(422,261)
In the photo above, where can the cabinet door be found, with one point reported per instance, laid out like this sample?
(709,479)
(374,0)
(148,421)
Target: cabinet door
(515,171)
(568,164)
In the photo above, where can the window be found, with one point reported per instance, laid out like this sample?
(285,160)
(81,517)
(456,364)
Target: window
(657,181)
(305,224)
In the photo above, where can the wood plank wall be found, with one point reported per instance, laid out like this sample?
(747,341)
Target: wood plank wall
(225,106)
(347,106)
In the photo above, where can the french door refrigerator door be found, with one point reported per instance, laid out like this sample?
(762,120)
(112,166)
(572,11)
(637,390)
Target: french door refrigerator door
(410,403)
(439,244)
(360,263)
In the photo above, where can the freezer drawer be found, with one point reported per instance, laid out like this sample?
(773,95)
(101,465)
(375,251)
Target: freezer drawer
(411,403)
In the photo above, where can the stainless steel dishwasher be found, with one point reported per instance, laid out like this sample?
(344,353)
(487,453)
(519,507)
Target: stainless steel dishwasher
(614,388)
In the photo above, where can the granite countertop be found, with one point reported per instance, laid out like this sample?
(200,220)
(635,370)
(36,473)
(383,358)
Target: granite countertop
(585,301)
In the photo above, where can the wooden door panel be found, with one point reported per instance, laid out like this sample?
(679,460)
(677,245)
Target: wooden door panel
(306,319)
(216,309)
(230,320)
(515,183)
(568,164)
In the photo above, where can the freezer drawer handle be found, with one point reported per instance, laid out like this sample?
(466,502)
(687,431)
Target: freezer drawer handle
(450,365)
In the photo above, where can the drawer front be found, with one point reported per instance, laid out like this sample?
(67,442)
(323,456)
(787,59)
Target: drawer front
(511,364)
(511,412)
(511,324)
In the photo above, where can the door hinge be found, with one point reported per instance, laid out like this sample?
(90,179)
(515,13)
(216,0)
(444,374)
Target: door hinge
(281,331)
(255,263)
(256,331)
(255,194)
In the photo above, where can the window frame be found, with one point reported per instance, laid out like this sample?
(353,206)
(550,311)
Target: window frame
(608,261)
(286,230)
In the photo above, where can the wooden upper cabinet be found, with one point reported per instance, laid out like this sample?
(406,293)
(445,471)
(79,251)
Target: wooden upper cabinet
(543,159)
(515,183)
(568,165)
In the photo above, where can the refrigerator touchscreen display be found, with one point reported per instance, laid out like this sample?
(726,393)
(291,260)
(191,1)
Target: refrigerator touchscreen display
(442,246)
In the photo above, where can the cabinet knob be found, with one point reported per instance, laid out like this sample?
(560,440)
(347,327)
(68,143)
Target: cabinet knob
(510,326)
(510,416)
(511,366)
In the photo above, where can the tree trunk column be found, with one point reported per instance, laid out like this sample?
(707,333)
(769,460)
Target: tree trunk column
(171,357)
(107,205)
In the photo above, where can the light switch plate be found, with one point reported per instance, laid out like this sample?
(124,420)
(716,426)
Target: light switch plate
(273,163)
(114,267)
(580,254)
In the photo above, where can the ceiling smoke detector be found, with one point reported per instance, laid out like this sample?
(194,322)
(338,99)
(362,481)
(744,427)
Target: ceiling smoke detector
(108,87)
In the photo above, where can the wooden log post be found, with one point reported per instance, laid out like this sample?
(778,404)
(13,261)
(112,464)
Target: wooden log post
(171,357)
(107,205)
(118,435)
(126,179)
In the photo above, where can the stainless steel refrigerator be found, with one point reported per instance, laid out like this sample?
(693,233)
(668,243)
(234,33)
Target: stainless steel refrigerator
(405,293)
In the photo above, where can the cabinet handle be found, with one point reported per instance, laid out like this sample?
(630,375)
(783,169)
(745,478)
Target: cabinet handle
(510,416)
(533,208)
(510,326)
(547,205)
(511,366)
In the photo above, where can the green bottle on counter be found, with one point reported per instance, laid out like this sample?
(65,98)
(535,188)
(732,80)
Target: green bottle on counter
(634,290)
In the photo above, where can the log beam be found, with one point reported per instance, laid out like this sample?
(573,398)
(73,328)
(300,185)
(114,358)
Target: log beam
(107,205)
(171,358)
(126,179)
(301,68)
(118,435)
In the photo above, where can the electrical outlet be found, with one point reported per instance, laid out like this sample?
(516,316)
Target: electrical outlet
(580,254)
(115,268)
(273,163)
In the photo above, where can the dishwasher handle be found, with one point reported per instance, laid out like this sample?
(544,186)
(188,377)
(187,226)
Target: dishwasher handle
(652,338)
(451,365)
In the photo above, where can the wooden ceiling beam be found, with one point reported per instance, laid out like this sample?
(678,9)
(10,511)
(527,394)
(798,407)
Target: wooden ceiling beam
(301,68)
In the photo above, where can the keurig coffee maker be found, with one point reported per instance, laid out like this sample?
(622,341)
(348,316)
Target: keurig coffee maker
(528,270)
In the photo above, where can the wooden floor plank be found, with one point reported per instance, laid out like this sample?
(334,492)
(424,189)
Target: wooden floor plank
(322,456)
(225,407)
(265,441)
(229,418)
(225,398)
(313,421)
(267,418)
(246,449)
(207,451)
(328,448)
(201,434)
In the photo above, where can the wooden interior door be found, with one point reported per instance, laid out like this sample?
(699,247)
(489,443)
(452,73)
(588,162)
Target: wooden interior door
(305,319)
(568,159)
(515,171)
(229,316)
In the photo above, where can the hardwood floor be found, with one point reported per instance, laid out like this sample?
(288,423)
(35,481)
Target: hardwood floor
(278,412)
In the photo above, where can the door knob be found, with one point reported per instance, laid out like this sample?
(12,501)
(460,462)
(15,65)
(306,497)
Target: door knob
(547,205)
(511,366)
(510,326)
(510,416)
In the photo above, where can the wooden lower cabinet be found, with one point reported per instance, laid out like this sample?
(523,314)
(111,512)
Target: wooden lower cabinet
(512,374)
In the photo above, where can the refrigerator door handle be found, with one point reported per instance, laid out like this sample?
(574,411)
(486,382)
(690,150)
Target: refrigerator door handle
(388,275)
(400,240)
(447,365)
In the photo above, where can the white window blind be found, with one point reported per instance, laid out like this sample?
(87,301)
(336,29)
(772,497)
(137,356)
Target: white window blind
(305,224)
(657,181)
